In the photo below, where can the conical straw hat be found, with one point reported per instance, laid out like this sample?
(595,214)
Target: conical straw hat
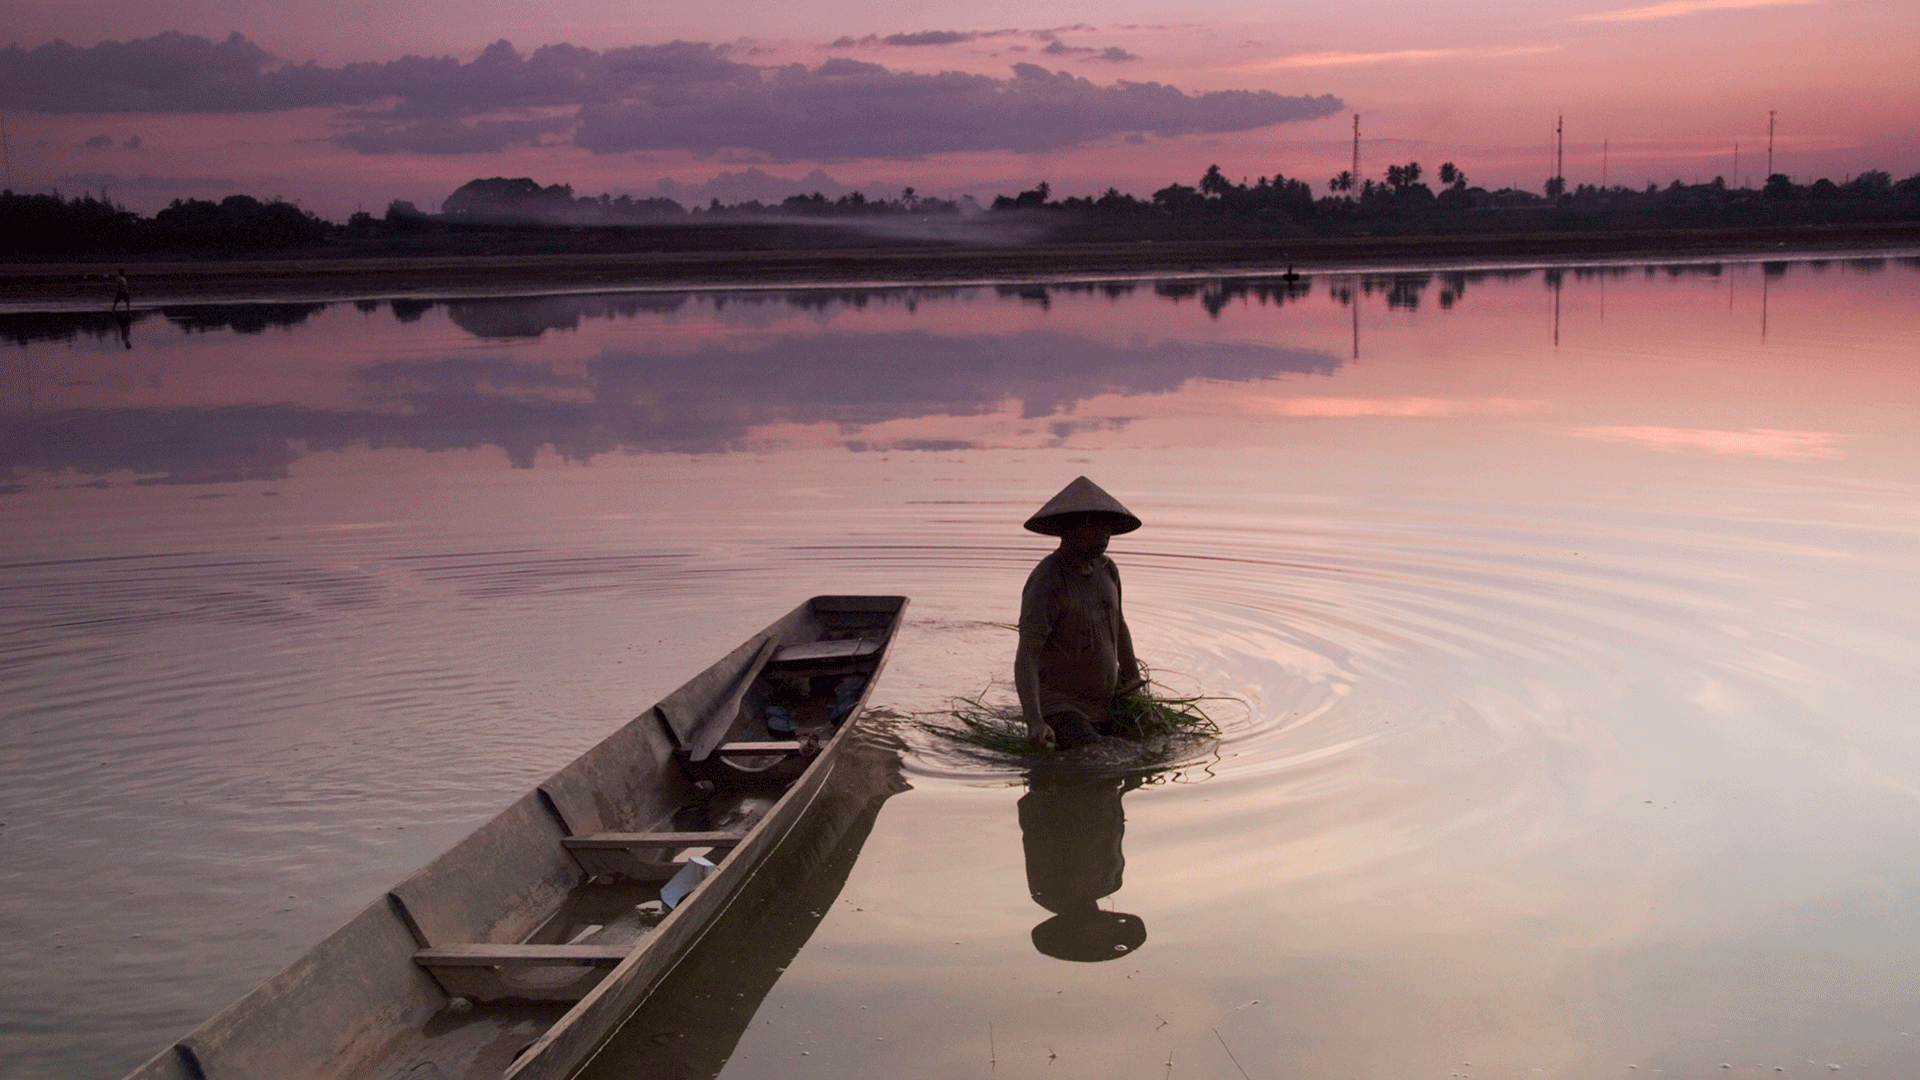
(1083,496)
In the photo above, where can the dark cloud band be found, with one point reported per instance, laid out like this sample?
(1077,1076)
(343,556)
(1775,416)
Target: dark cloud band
(846,110)
(676,96)
(929,37)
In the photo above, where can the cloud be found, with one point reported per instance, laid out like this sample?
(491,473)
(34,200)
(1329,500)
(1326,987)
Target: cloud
(1114,53)
(677,96)
(846,110)
(922,37)
(644,394)
(132,143)
(1757,442)
(93,181)
(1399,56)
(1674,9)
(170,72)
(1404,407)
(98,142)
(929,37)
(181,73)
(445,136)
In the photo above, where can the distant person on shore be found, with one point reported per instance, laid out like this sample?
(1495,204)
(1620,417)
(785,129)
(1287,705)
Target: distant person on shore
(1075,654)
(120,292)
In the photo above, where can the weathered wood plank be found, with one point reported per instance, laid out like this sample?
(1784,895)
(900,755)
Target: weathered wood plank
(486,955)
(667,840)
(786,746)
(630,780)
(570,1042)
(703,712)
(566,1045)
(362,996)
(498,884)
(332,1014)
(810,651)
(626,865)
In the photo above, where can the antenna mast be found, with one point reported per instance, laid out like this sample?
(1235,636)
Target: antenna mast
(1356,152)
(1769,144)
(1560,150)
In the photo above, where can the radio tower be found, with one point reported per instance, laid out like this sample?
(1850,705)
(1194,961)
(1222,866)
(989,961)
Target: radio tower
(1769,144)
(1356,152)
(1560,150)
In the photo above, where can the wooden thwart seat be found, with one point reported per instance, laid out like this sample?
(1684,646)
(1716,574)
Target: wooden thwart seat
(487,973)
(813,652)
(486,955)
(628,841)
(781,746)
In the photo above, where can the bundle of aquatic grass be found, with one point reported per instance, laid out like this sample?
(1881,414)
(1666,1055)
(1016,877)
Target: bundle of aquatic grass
(1147,713)
(996,729)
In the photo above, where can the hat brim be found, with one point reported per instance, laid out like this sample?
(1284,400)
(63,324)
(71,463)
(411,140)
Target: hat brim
(1079,499)
(1057,524)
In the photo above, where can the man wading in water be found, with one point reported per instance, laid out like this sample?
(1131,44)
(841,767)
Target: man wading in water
(1075,653)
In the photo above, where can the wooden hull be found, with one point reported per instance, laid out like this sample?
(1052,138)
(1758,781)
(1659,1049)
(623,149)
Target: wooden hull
(694,1018)
(517,952)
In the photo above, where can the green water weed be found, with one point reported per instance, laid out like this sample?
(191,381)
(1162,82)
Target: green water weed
(1151,712)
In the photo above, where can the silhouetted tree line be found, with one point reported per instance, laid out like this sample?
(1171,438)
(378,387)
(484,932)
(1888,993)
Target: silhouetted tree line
(852,204)
(518,211)
(523,201)
(1400,203)
(49,225)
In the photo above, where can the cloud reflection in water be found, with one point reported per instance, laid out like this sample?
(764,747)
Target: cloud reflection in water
(643,395)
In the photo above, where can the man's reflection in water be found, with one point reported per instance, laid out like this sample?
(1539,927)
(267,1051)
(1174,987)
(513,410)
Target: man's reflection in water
(1070,827)
(124,320)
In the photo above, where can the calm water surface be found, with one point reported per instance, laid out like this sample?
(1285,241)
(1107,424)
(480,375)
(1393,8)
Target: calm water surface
(1570,619)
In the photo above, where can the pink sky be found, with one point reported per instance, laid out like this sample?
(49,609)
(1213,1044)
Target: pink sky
(1668,88)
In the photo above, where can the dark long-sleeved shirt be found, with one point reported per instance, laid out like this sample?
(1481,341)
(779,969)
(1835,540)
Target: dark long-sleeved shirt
(1071,624)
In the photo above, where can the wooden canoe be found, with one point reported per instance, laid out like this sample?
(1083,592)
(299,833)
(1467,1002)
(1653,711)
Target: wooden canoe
(515,954)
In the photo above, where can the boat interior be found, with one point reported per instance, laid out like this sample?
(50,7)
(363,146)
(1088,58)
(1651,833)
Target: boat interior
(462,964)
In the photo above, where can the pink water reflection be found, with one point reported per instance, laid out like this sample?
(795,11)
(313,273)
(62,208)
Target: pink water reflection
(1659,357)
(1571,629)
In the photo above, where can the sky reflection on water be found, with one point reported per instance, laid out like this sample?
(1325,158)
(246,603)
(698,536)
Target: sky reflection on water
(1571,618)
(928,369)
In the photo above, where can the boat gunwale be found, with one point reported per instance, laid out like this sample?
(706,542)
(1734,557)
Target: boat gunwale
(573,1040)
(558,1052)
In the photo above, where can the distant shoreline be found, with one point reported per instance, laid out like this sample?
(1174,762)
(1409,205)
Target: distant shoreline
(329,276)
